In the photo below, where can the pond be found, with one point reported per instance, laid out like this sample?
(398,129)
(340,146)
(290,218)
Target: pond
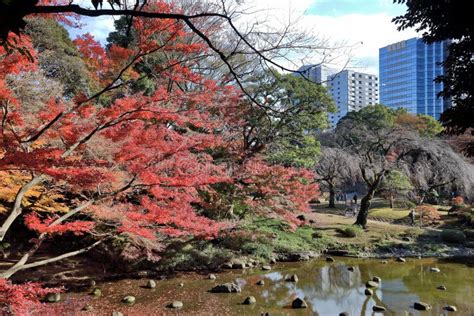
(328,288)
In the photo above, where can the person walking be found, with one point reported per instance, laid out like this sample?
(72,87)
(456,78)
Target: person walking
(355,198)
(412,217)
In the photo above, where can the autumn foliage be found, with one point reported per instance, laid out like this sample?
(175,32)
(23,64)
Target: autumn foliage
(115,161)
(429,215)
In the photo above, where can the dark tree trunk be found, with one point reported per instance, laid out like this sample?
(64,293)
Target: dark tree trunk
(332,196)
(365,202)
(364,210)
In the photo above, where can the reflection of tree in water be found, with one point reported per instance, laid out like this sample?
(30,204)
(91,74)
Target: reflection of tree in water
(331,288)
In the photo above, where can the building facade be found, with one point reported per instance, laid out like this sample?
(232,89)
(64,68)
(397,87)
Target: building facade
(352,91)
(407,72)
(318,73)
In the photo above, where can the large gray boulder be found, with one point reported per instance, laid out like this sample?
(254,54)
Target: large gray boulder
(226,288)
(176,305)
(420,306)
(129,300)
(249,300)
(298,303)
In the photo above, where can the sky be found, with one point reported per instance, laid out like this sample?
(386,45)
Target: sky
(363,25)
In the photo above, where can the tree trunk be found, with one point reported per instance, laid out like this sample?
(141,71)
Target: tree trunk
(364,210)
(332,197)
(391,200)
(365,201)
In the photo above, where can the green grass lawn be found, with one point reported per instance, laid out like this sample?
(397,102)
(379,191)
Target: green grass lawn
(388,213)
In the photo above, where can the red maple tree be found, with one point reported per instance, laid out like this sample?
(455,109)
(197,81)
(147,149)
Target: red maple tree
(132,164)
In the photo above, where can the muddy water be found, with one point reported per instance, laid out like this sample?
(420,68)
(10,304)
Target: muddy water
(328,288)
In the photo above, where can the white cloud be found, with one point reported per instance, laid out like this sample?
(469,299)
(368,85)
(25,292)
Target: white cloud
(366,32)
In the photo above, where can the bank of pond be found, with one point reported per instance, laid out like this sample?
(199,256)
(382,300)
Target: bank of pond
(342,286)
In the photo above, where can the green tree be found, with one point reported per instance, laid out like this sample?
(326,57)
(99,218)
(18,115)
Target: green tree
(394,183)
(58,56)
(449,20)
(283,120)
(372,135)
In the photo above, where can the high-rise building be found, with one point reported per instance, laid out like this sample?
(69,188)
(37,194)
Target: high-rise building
(352,91)
(318,73)
(407,72)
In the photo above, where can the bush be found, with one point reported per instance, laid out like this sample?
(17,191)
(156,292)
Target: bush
(414,232)
(458,200)
(405,204)
(428,214)
(350,231)
(453,236)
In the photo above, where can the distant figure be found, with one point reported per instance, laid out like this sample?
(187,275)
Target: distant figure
(412,217)
(355,198)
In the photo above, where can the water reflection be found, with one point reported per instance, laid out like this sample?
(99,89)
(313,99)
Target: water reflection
(328,288)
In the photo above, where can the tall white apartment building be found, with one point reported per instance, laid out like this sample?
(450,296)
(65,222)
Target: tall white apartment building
(352,91)
(318,73)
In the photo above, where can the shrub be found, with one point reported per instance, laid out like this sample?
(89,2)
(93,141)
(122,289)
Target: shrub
(350,230)
(414,232)
(428,214)
(453,236)
(405,204)
(458,200)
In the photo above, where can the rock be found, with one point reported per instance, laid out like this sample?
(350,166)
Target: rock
(337,252)
(368,292)
(312,221)
(299,303)
(151,284)
(273,261)
(351,269)
(115,313)
(226,288)
(384,262)
(211,277)
(377,279)
(227,265)
(53,297)
(450,308)
(441,287)
(293,278)
(420,306)
(435,269)
(249,300)
(406,238)
(371,284)
(181,284)
(266,268)
(378,308)
(175,305)
(96,292)
(298,256)
(87,308)
(238,265)
(301,217)
(129,300)
(400,259)
(330,259)
(260,282)
(344,314)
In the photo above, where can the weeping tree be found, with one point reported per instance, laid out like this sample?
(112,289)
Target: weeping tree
(335,169)
(436,169)
(377,138)
(395,183)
